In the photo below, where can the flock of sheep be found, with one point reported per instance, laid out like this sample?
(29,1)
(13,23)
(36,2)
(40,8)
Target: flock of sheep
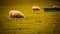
(18,14)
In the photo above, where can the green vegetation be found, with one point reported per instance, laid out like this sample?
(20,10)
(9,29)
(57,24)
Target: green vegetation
(35,22)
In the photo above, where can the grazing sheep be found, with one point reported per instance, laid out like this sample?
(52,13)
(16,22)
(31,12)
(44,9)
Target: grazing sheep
(56,6)
(35,8)
(15,14)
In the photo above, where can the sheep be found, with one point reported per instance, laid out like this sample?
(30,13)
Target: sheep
(35,8)
(56,6)
(16,14)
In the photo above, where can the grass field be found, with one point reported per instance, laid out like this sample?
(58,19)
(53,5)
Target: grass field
(35,22)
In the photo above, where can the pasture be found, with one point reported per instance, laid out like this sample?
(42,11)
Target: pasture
(35,22)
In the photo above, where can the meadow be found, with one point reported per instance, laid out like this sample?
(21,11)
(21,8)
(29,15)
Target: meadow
(35,22)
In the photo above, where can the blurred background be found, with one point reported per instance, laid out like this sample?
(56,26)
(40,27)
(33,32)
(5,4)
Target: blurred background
(38,22)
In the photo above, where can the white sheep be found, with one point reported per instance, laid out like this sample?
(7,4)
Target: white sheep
(16,14)
(56,6)
(35,8)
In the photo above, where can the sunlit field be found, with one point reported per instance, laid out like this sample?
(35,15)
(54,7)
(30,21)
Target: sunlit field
(35,22)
